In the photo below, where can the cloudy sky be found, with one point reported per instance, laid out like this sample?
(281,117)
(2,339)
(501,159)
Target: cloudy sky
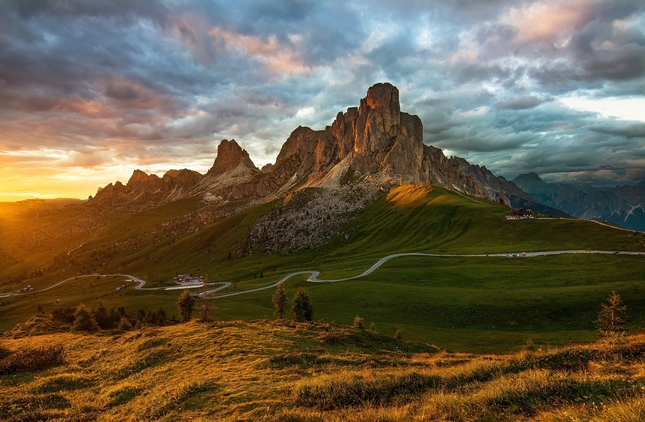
(92,89)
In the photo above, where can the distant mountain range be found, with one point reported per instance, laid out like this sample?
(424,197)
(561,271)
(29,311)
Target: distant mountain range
(621,205)
(373,144)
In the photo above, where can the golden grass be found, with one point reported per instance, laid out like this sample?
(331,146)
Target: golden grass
(285,371)
(408,195)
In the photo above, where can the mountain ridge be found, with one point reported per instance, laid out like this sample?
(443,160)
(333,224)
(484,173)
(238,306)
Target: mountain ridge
(621,205)
(375,143)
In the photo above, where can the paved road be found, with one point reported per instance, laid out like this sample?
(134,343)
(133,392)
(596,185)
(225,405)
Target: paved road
(313,275)
(140,283)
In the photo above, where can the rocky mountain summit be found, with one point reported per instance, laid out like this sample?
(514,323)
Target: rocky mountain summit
(375,143)
(147,190)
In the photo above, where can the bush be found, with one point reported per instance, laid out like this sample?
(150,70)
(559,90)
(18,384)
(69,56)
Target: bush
(358,323)
(32,359)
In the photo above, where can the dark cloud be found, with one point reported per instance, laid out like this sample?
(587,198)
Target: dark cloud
(522,103)
(630,131)
(114,81)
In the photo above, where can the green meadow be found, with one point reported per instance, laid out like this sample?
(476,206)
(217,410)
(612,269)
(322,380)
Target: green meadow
(473,304)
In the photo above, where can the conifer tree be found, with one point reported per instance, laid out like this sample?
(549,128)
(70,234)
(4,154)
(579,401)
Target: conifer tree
(124,324)
(279,301)
(205,314)
(102,317)
(302,308)
(84,320)
(611,322)
(185,305)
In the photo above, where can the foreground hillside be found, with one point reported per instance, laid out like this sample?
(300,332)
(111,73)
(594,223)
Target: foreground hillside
(284,371)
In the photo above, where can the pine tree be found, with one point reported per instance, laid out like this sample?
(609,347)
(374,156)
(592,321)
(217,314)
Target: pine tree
(161,316)
(102,317)
(205,314)
(610,322)
(84,320)
(185,305)
(279,301)
(124,324)
(302,308)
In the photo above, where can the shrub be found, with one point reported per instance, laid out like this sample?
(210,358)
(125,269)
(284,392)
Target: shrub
(358,323)
(32,359)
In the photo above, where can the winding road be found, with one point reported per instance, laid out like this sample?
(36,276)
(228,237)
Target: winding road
(313,275)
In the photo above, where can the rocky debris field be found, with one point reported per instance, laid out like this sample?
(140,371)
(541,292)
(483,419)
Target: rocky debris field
(309,217)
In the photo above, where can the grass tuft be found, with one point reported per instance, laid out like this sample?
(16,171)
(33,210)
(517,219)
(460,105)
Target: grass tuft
(64,382)
(29,360)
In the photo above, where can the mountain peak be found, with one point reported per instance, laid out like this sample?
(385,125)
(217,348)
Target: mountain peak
(140,177)
(528,177)
(229,156)
(384,96)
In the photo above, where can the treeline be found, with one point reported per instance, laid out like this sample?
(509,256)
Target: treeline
(86,319)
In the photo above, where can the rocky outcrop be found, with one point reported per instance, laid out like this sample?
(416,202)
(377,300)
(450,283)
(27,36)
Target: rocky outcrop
(232,177)
(144,190)
(231,157)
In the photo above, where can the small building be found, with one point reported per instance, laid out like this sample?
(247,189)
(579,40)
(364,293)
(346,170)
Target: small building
(188,279)
(519,214)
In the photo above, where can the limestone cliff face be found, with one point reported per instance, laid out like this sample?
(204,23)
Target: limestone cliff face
(374,141)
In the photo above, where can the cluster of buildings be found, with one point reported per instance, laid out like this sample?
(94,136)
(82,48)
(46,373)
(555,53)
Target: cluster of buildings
(188,279)
(26,289)
(519,214)
(118,289)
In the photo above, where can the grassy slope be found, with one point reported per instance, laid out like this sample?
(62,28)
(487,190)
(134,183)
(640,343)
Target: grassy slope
(476,304)
(316,372)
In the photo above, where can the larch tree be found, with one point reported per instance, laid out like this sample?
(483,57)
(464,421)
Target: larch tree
(279,301)
(185,306)
(611,321)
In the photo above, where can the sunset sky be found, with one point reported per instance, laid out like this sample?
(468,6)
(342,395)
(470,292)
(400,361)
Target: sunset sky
(91,90)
